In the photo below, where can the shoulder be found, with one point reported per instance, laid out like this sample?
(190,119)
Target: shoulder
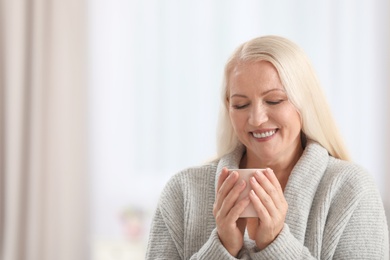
(190,179)
(336,173)
(185,188)
(348,175)
(354,207)
(346,185)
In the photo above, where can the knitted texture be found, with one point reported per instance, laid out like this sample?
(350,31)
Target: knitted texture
(335,212)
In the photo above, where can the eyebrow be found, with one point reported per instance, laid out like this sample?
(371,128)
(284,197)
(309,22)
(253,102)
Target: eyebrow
(262,94)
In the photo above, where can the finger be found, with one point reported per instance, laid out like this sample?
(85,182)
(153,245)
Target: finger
(222,177)
(227,184)
(235,212)
(280,200)
(259,207)
(225,188)
(273,192)
(230,200)
(265,199)
(269,173)
(218,201)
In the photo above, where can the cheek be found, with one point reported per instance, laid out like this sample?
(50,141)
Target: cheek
(295,121)
(233,117)
(291,118)
(237,120)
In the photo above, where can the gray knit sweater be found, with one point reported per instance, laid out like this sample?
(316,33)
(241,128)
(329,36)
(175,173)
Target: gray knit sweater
(335,212)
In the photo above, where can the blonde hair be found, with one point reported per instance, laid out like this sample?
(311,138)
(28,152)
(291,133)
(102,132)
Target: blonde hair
(302,87)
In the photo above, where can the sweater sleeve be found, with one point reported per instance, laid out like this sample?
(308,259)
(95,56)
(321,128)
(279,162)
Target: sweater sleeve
(365,235)
(162,245)
(166,238)
(285,246)
(167,228)
(213,249)
(354,226)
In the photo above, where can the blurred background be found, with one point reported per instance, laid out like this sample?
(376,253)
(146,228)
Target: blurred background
(102,101)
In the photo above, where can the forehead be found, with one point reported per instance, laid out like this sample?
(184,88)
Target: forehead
(254,76)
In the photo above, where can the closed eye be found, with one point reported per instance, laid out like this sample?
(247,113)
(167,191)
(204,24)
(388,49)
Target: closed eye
(274,102)
(240,106)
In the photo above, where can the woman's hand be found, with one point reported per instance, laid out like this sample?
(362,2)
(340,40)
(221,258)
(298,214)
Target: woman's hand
(271,207)
(226,211)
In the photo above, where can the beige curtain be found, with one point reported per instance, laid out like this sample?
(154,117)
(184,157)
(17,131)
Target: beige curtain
(42,130)
(387,199)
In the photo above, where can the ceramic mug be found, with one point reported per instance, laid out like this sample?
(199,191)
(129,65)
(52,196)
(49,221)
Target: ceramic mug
(246,174)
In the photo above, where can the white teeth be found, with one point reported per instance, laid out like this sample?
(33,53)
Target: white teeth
(265,134)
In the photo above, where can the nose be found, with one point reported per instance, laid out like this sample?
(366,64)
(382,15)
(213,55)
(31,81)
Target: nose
(258,115)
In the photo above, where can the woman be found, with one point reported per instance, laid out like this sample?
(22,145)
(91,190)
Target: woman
(311,202)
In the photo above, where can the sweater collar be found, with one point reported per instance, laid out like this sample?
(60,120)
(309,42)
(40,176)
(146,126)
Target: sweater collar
(231,161)
(301,186)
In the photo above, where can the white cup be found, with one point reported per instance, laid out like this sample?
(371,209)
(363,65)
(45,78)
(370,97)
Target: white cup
(246,174)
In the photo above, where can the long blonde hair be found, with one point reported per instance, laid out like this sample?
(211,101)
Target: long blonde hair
(302,87)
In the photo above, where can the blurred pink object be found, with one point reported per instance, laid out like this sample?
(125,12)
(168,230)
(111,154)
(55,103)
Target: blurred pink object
(133,222)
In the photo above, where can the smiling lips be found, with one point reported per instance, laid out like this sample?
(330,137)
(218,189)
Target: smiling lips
(264,134)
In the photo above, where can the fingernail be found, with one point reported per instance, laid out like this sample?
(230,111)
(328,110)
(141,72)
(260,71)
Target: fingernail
(259,173)
(253,180)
